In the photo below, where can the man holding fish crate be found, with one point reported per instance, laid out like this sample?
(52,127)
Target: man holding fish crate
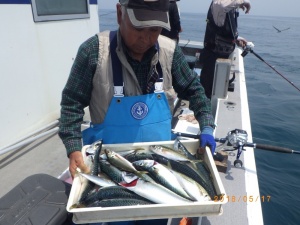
(129,78)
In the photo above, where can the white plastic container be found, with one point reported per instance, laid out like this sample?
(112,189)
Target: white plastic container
(142,212)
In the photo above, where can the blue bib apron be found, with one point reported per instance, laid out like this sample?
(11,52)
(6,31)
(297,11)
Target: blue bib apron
(140,118)
(131,119)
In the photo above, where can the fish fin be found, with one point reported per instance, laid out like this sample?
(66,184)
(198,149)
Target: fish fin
(141,172)
(198,160)
(131,184)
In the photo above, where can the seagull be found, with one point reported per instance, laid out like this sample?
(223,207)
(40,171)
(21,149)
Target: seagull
(278,31)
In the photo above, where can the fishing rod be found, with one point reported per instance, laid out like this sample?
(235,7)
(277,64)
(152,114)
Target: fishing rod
(238,140)
(248,49)
(253,145)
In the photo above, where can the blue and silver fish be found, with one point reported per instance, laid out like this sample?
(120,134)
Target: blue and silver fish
(161,175)
(192,188)
(123,164)
(154,192)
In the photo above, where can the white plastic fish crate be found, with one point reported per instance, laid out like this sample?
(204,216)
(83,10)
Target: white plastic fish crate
(153,211)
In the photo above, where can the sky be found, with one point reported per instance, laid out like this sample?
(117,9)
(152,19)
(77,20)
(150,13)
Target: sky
(287,8)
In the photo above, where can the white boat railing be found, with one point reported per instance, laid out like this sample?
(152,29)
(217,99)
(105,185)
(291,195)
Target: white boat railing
(32,137)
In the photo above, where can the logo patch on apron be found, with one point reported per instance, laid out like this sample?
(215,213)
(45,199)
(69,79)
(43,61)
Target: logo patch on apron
(139,110)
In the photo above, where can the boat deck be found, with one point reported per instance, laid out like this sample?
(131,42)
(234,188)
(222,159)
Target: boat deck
(240,184)
(46,155)
(242,193)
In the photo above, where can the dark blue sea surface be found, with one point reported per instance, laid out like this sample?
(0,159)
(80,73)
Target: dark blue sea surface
(275,111)
(274,104)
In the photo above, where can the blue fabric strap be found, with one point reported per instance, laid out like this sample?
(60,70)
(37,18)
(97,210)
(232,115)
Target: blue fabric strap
(116,64)
(158,66)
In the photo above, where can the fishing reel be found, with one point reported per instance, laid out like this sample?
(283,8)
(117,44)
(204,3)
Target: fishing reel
(237,137)
(247,48)
(238,140)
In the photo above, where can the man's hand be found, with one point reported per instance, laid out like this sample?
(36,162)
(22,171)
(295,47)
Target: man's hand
(246,6)
(76,161)
(207,139)
(241,42)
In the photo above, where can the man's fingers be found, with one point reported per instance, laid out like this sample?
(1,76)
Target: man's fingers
(248,7)
(84,168)
(72,171)
(76,161)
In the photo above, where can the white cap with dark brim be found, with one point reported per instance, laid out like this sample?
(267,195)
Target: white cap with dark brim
(148,13)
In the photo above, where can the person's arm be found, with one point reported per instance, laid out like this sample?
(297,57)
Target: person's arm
(219,8)
(75,97)
(188,87)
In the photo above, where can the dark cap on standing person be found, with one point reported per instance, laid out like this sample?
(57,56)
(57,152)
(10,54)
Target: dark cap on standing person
(148,13)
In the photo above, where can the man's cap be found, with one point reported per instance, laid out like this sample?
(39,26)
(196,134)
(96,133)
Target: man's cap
(148,13)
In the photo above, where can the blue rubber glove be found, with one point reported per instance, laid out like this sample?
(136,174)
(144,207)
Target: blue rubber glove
(207,139)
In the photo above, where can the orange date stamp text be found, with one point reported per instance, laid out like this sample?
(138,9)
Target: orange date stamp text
(242,198)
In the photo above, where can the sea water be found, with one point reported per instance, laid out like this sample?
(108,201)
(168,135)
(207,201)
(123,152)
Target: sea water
(275,112)
(273,102)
